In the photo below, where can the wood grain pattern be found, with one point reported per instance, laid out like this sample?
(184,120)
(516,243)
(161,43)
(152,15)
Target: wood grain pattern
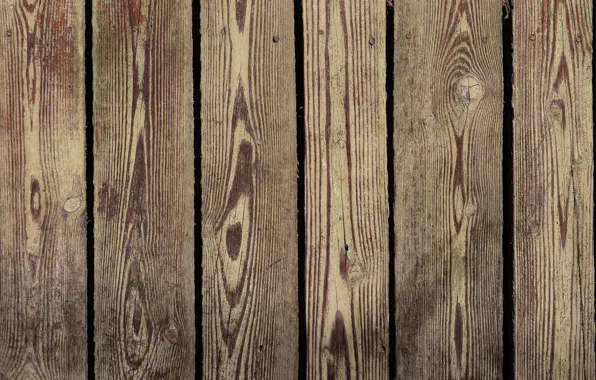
(42,190)
(553,190)
(144,242)
(248,149)
(448,191)
(347,208)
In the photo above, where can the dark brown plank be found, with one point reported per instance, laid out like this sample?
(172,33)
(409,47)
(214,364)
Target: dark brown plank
(553,190)
(42,191)
(448,190)
(248,119)
(347,207)
(144,242)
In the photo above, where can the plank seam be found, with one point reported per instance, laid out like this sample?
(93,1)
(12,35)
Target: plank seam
(90,188)
(389,88)
(508,229)
(301,152)
(198,199)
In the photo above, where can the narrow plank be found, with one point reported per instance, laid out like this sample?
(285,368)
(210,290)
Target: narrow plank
(448,191)
(249,191)
(42,190)
(144,209)
(553,167)
(347,208)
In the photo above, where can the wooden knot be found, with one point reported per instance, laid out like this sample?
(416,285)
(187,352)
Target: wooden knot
(171,334)
(470,89)
(429,120)
(72,204)
(470,209)
(554,109)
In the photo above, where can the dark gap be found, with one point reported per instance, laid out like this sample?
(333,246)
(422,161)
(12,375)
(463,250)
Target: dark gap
(196,53)
(90,188)
(390,46)
(301,151)
(508,253)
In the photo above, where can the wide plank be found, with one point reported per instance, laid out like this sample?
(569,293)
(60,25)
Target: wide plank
(553,190)
(144,189)
(346,197)
(249,190)
(43,213)
(448,191)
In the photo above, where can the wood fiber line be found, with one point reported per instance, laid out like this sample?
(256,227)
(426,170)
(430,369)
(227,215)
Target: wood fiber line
(553,190)
(346,198)
(249,190)
(42,191)
(448,194)
(144,209)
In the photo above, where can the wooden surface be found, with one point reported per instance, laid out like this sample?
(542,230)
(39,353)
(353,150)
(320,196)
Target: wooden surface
(43,216)
(553,190)
(347,208)
(144,189)
(248,150)
(448,191)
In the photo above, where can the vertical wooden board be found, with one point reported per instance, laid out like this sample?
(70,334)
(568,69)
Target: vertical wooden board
(553,190)
(347,206)
(42,190)
(448,190)
(144,208)
(249,191)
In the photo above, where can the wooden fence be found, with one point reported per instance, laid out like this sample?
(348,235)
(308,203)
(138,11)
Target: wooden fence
(318,189)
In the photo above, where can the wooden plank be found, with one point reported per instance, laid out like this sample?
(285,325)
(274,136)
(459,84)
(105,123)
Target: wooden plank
(347,208)
(553,191)
(42,191)
(249,196)
(144,180)
(448,191)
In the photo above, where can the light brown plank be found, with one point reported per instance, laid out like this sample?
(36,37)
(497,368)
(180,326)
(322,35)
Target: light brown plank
(248,150)
(347,208)
(553,190)
(448,191)
(42,191)
(144,242)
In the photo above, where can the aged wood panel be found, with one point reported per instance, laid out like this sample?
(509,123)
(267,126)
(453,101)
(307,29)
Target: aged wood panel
(448,191)
(249,196)
(144,241)
(347,208)
(553,190)
(42,190)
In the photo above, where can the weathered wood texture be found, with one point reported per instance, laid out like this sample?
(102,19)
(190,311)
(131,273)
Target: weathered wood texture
(553,190)
(42,191)
(448,191)
(249,190)
(144,242)
(347,208)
